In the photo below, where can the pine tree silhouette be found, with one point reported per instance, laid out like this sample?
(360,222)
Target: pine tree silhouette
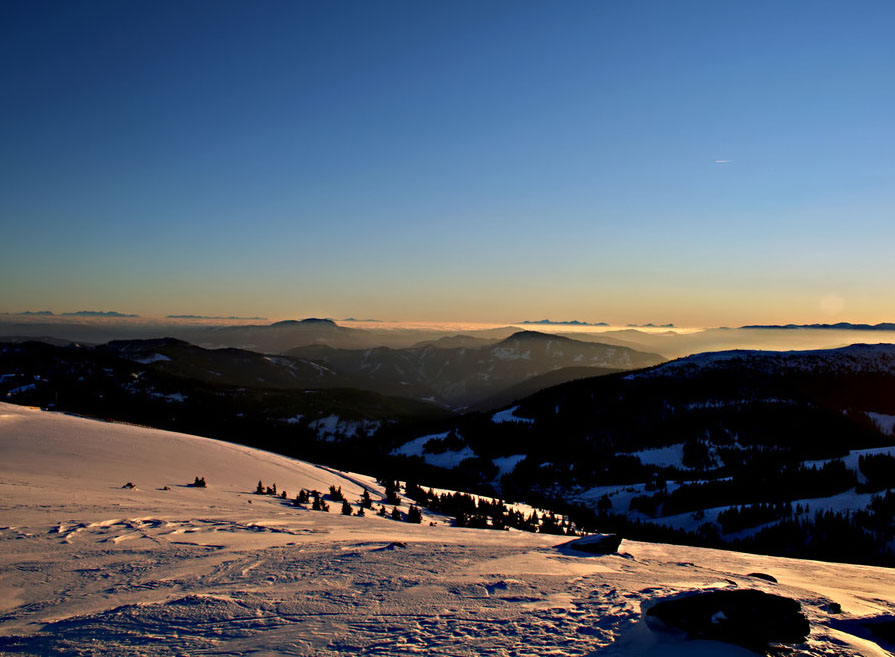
(366,502)
(391,492)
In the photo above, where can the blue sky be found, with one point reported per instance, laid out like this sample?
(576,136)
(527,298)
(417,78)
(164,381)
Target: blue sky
(471,161)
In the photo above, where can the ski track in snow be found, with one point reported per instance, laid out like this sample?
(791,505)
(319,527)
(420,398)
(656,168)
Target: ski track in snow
(89,567)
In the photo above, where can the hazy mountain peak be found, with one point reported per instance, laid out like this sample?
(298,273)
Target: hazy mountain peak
(318,322)
(533,335)
(309,321)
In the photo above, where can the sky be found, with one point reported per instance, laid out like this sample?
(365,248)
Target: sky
(702,163)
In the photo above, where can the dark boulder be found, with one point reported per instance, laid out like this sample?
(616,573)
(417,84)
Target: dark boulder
(764,576)
(596,543)
(748,618)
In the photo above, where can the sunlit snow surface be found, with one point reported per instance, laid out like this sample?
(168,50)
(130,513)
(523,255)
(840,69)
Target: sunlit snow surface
(89,567)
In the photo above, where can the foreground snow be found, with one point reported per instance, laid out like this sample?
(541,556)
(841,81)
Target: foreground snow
(87,566)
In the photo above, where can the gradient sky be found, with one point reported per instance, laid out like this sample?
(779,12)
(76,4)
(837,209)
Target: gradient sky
(470,161)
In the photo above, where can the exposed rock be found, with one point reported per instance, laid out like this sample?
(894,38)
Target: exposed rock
(597,543)
(764,576)
(749,618)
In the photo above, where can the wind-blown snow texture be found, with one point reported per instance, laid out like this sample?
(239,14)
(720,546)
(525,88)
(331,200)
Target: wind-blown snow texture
(87,566)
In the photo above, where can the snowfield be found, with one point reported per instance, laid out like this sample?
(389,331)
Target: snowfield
(90,567)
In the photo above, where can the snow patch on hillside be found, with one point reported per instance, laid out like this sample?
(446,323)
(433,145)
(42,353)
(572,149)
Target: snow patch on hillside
(333,427)
(506,464)
(852,459)
(671,456)
(508,415)
(449,459)
(619,495)
(415,446)
(178,397)
(510,353)
(446,459)
(886,423)
(19,389)
(153,358)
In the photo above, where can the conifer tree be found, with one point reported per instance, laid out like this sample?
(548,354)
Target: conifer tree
(396,515)
(260,489)
(391,492)
(346,508)
(366,502)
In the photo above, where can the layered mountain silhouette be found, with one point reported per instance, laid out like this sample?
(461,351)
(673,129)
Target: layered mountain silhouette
(462,376)
(731,443)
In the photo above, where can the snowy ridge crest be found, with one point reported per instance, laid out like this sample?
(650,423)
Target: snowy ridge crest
(855,358)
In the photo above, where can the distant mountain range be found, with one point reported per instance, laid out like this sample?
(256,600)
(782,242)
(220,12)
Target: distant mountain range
(78,313)
(468,375)
(573,322)
(269,338)
(212,317)
(280,404)
(174,370)
(280,337)
(883,326)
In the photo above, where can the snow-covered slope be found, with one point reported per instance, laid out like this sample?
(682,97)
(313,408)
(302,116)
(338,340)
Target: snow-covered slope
(89,567)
